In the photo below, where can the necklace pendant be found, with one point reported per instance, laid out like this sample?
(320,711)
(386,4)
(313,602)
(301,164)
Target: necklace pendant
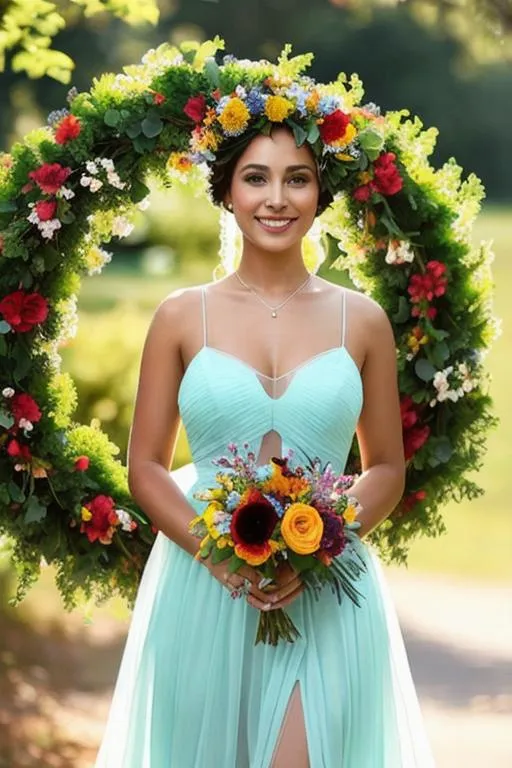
(274,314)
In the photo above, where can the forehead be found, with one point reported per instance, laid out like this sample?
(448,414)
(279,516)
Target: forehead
(278,150)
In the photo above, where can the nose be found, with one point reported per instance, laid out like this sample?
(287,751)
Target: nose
(277,197)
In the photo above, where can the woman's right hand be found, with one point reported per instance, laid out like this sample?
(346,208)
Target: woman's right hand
(258,598)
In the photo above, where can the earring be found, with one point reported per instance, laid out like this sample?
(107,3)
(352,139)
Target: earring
(229,206)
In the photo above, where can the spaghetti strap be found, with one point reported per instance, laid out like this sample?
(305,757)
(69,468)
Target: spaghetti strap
(203,302)
(343,314)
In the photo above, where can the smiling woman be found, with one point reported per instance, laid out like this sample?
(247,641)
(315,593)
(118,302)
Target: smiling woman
(386,384)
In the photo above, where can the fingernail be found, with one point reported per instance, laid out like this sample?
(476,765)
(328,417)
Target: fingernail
(267,606)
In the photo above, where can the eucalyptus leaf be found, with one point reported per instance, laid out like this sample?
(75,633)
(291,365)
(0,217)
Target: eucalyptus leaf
(443,449)
(424,369)
(440,354)
(35,511)
(15,492)
(152,126)
(4,327)
(6,419)
(313,133)
(212,72)
(299,134)
(134,130)
(112,118)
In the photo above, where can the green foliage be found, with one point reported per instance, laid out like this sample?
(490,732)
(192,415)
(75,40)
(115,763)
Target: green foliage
(391,240)
(29,26)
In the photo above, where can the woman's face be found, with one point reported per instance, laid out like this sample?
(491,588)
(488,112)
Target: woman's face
(274,191)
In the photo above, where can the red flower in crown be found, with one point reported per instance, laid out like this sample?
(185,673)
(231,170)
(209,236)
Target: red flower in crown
(24,406)
(386,178)
(333,126)
(101,519)
(23,310)
(195,108)
(67,129)
(50,177)
(46,209)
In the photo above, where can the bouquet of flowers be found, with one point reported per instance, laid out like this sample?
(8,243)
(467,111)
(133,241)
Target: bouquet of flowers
(262,515)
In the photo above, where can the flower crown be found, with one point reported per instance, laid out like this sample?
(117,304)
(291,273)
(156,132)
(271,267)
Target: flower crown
(347,140)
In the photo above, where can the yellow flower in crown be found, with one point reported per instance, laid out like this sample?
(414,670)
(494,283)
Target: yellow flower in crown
(348,136)
(312,101)
(277,108)
(179,161)
(302,528)
(233,116)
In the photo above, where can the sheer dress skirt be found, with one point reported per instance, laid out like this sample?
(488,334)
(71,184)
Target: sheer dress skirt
(193,691)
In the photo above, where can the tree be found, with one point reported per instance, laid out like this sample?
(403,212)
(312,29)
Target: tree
(483,26)
(29,26)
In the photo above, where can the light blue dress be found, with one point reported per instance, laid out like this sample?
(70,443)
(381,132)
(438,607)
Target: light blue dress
(193,690)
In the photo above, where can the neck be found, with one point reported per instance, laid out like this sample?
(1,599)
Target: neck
(272,273)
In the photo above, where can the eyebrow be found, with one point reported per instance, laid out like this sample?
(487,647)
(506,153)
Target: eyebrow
(257,166)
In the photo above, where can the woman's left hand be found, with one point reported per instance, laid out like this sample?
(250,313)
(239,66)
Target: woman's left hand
(285,588)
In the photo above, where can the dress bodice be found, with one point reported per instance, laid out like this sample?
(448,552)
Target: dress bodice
(222,400)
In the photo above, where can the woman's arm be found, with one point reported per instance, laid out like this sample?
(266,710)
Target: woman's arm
(155,426)
(379,431)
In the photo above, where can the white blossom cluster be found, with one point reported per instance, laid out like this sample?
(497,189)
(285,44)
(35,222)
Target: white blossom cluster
(48,227)
(460,384)
(93,167)
(399,252)
(125,519)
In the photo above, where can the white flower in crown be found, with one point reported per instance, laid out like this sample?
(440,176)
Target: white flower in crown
(399,252)
(121,227)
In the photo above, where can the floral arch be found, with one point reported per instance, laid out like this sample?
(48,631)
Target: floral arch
(400,228)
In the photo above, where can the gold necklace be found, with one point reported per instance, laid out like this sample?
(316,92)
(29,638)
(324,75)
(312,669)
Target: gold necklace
(274,310)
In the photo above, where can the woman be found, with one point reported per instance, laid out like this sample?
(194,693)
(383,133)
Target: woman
(278,358)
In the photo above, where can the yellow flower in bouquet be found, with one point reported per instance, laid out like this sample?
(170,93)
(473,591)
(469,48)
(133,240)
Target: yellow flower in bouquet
(302,528)
(285,485)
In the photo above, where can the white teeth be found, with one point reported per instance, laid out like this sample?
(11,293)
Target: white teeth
(275,223)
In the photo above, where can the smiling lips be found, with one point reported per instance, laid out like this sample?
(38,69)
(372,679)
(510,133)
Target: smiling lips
(276,225)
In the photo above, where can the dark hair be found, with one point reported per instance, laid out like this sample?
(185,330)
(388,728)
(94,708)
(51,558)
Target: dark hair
(222,175)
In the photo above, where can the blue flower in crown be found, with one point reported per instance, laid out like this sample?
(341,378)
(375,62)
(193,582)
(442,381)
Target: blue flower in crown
(264,473)
(298,95)
(232,501)
(255,101)
(328,104)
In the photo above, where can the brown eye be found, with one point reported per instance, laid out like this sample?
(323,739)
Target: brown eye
(255,178)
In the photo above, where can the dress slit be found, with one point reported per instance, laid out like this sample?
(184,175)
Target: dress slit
(291,747)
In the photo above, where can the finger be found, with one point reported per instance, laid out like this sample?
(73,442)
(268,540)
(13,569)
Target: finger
(255,578)
(285,590)
(288,599)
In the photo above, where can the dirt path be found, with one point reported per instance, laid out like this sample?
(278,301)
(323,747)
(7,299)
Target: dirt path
(56,679)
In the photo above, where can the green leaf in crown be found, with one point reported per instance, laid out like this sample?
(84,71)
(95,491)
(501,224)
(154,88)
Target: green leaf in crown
(402,228)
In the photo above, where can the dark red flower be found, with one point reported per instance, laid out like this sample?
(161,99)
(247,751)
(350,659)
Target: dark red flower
(195,108)
(81,463)
(68,129)
(158,99)
(386,178)
(18,450)
(50,177)
(103,519)
(414,433)
(24,406)
(362,194)
(253,522)
(46,209)
(410,501)
(333,537)
(24,310)
(333,126)
(424,288)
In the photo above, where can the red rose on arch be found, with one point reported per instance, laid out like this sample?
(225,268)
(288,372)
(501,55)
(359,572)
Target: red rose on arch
(68,129)
(17,450)
(362,194)
(414,434)
(333,126)
(24,406)
(50,177)
(81,464)
(386,178)
(24,310)
(103,519)
(45,209)
(195,108)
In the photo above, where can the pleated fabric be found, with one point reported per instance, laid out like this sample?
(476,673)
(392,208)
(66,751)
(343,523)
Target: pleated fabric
(193,691)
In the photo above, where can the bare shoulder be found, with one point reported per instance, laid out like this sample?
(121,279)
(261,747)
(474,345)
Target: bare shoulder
(368,311)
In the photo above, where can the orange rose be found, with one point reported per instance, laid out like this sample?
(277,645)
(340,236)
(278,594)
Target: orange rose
(302,528)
